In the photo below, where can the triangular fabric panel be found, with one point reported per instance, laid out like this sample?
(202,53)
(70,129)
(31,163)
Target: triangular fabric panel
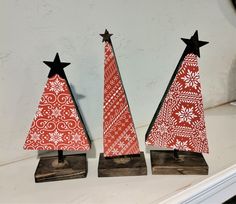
(118,128)
(56,125)
(180,123)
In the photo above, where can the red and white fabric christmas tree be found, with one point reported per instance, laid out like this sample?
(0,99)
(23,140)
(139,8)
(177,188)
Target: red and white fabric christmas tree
(179,120)
(119,136)
(57,124)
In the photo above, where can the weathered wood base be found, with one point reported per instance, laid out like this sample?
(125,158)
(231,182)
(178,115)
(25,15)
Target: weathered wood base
(74,166)
(188,163)
(133,165)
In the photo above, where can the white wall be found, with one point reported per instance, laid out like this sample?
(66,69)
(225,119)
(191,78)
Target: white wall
(147,44)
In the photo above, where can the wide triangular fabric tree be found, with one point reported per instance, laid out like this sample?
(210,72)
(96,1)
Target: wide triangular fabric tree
(57,124)
(118,128)
(179,120)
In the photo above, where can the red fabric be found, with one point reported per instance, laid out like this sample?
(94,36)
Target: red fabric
(56,125)
(180,123)
(118,128)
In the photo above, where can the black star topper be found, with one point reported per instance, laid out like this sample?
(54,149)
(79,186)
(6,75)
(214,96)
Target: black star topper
(193,44)
(56,67)
(106,36)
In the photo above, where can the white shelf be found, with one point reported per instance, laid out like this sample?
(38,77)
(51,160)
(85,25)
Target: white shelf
(17,178)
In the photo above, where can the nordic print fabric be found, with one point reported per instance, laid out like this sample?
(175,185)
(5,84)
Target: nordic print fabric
(56,125)
(180,123)
(118,128)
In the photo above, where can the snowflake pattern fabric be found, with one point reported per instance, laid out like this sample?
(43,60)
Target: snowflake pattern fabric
(56,125)
(118,129)
(180,123)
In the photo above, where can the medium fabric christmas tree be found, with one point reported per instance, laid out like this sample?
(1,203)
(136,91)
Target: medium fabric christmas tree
(179,120)
(57,124)
(118,128)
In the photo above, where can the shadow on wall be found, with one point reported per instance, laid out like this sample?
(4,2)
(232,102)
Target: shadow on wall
(232,81)
(228,10)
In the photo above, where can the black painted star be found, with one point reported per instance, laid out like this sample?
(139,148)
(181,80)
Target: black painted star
(106,36)
(56,67)
(193,44)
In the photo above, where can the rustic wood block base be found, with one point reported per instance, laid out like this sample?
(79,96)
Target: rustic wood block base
(188,163)
(75,166)
(110,167)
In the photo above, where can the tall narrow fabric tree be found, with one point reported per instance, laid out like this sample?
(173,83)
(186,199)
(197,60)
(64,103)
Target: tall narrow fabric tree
(57,124)
(119,136)
(179,120)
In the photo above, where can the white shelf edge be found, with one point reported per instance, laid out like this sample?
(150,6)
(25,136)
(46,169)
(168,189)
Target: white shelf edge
(206,188)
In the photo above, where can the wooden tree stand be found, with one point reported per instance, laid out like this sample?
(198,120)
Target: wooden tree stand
(186,163)
(132,165)
(55,169)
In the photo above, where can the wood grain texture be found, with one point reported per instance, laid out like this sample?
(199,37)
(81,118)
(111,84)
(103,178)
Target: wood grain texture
(76,167)
(188,163)
(109,167)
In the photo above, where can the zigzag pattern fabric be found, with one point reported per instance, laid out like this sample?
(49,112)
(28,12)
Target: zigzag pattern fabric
(180,123)
(118,128)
